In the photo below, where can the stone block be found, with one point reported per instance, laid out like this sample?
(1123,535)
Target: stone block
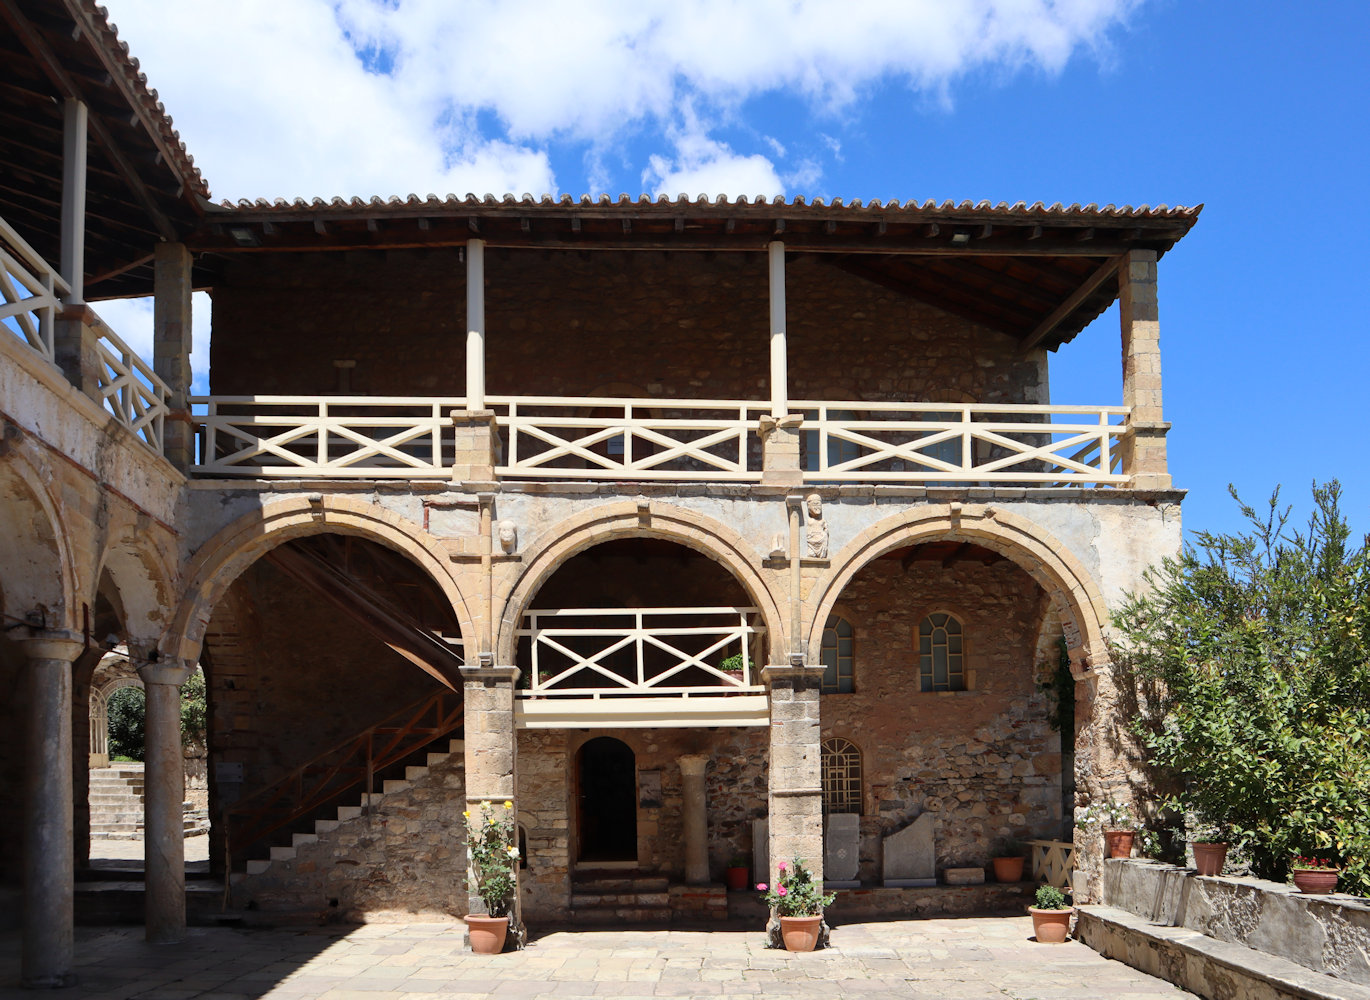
(910,856)
(841,850)
(964,876)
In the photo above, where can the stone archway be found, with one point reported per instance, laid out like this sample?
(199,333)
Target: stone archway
(1060,575)
(114,673)
(628,520)
(219,561)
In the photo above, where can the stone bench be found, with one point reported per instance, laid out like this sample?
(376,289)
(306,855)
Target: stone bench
(1230,936)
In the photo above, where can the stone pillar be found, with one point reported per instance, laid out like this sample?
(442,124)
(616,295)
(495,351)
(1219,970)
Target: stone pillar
(795,799)
(171,346)
(477,441)
(164,852)
(48,949)
(490,757)
(696,819)
(1144,451)
(73,348)
(780,450)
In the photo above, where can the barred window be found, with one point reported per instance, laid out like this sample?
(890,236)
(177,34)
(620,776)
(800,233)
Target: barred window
(837,656)
(841,766)
(941,665)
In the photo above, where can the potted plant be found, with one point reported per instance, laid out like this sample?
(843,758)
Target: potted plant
(1313,875)
(1118,825)
(491,859)
(1210,842)
(799,903)
(1051,915)
(732,666)
(1008,861)
(737,872)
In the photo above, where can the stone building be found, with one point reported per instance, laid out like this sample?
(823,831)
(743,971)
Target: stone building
(657,518)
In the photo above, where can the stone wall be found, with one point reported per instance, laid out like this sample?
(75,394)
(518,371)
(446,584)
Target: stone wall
(407,858)
(984,761)
(606,323)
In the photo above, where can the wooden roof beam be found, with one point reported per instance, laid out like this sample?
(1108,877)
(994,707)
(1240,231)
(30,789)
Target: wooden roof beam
(1043,329)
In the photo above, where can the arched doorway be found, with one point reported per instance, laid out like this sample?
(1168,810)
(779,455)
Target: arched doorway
(606,780)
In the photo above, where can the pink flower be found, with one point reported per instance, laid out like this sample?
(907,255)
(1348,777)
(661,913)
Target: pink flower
(782,866)
(761,886)
(782,891)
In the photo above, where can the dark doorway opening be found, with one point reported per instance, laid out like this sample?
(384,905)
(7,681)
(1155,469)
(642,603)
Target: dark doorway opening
(607,776)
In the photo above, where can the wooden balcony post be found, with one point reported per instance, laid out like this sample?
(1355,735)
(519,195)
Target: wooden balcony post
(780,430)
(74,200)
(1144,449)
(475,325)
(780,402)
(171,346)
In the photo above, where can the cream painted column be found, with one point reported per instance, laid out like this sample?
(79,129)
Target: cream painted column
(164,851)
(491,757)
(476,433)
(48,958)
(780,392)
(73,264)
(171,345)
(692,767)
(1144,452)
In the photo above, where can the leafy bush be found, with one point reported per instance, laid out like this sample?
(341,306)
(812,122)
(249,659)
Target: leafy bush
(127,711)
(193,709)
(1252,658)
(1050,898)
(796,894)
(492,856)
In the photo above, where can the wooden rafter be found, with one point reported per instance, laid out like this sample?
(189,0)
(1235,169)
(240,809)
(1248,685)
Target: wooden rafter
(1043,329)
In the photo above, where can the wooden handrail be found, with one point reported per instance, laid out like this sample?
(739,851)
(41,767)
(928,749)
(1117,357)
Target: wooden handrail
(347,765)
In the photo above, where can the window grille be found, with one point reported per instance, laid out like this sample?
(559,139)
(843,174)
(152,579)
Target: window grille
(941,664)
(837,656)
(841,766)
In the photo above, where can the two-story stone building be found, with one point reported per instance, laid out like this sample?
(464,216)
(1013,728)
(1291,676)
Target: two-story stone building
(654,517)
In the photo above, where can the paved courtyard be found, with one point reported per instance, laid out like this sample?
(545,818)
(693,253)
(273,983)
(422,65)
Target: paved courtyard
(939,958)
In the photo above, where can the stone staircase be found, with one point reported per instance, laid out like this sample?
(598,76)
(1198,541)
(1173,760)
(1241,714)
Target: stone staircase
(116,802)
(614,897)
(116,805)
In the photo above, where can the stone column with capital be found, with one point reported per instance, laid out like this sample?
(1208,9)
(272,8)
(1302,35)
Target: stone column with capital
(795,799)
(692,767)
(491,757)
(48,958)
(164,852)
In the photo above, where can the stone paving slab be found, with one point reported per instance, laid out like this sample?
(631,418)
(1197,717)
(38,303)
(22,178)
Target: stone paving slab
(945,958)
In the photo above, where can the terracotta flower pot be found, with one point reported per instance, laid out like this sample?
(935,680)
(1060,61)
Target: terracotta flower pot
(800,933)
(1051,926)
(1209,858)
(736,877)
(487,933)
(1008,869)
(1119,843)
(1316,881)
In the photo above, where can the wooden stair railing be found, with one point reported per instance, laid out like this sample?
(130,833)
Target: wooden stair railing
(348,765)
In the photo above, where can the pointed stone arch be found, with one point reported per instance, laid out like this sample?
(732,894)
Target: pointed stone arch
(219,561)
(1047,560)
(37,566)
(627,520)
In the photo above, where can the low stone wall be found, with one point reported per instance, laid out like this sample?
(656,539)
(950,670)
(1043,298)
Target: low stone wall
(1212,935)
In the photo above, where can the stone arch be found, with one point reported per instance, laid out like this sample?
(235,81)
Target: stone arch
(1055,569)
(113,674)
(37,566)
(626,520)
(141,577)
(219,561)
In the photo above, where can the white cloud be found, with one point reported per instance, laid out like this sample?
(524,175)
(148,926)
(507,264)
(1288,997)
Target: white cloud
(314,98)
(131,320)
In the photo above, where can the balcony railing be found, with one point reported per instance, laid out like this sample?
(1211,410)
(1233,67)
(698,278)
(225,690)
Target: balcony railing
(615,652)
(31,291)
(129,388)
(557,437)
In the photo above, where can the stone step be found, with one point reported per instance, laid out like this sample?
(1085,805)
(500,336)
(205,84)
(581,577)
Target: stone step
(326,825)
(456,746)
(348,812)
(298,840)
(282,853)
(392,785)
(619,884)
(613,900)
(434,759)
(624,915)
(256,866)
(414,773)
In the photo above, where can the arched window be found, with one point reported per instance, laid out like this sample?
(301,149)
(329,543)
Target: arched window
(837,656)
(841,767)
(941,662)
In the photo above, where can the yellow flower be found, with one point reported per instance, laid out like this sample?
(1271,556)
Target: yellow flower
(493,821)
(508,804)
(467,814)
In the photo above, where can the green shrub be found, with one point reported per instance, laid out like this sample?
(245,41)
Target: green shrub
(1050,898)
(1251,656)
(126,712)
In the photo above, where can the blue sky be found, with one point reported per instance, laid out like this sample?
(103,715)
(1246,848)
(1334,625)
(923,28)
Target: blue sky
(1258,111)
